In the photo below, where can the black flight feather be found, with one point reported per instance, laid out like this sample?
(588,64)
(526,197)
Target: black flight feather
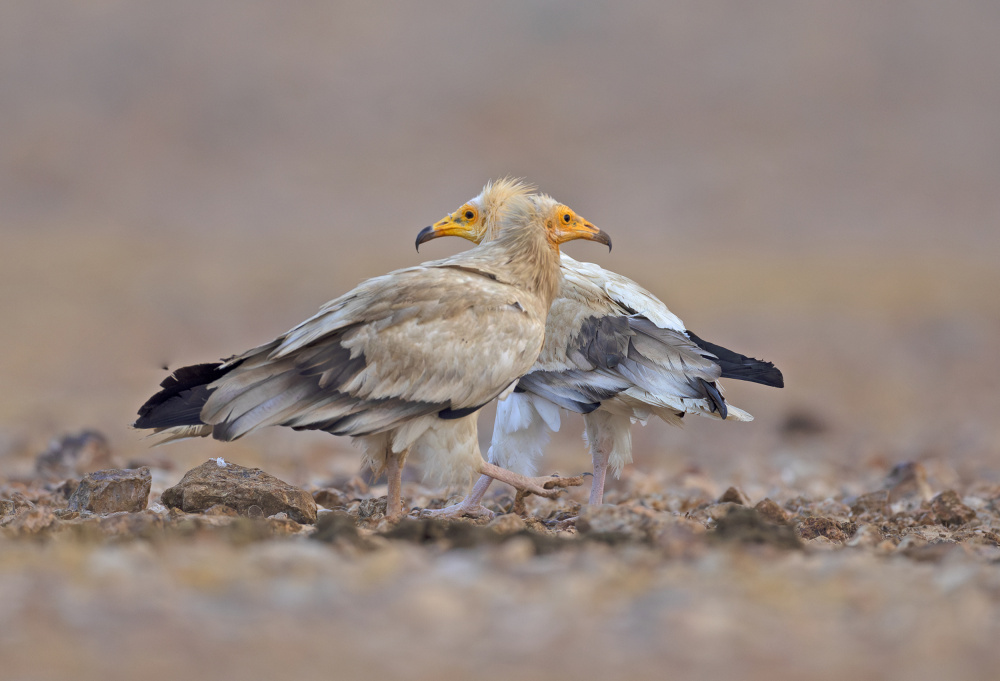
(184,393)
(741,367)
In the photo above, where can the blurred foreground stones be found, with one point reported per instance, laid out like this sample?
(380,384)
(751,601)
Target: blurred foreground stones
(205,568)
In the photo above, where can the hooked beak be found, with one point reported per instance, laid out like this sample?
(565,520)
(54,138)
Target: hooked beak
(582,229)
(449,226)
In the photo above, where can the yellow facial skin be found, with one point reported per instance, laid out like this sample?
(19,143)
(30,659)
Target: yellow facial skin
(562,225)
(565,225)
(464,222)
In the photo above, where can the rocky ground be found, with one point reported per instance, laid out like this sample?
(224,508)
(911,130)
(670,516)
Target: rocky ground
(231,572)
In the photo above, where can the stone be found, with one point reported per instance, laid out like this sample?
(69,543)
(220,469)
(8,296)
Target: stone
(874,504)
(331,498)
(249,491)
(74,455)
(734,496)
(771,512)
(949,509)
(907,481)
(838,531)
(111,491)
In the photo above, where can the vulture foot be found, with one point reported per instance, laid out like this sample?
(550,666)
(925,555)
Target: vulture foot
(548,487)
(463,509)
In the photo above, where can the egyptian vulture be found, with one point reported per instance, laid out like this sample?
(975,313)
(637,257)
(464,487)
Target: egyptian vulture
(410,355)
(614,353)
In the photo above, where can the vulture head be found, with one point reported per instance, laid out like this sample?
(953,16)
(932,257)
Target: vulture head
(482,218)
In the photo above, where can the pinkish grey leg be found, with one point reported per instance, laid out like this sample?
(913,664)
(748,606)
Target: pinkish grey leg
(600,458)
(394,471)
(471,506)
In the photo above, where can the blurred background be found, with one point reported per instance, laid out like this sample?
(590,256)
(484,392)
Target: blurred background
(815,184)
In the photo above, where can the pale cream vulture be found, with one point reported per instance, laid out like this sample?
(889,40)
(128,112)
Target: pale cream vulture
(614,353)
(414,353)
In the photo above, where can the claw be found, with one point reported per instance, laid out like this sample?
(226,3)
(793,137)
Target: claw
(558,482)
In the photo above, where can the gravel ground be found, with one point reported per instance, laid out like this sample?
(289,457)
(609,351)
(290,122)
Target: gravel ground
(897,582)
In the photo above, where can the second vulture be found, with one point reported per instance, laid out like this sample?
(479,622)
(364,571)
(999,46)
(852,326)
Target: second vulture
(613,352)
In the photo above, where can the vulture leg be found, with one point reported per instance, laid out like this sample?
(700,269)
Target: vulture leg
(394,472)
(600,458)
(609,437)
(471,506)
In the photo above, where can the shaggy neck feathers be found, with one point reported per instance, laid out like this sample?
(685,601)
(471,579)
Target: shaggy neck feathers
(533,257)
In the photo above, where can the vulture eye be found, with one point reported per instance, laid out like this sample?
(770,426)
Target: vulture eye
(469,215)
(567,217)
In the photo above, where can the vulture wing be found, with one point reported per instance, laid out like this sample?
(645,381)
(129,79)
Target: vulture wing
(403,345)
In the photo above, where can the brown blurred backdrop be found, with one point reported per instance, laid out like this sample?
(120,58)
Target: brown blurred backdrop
(813,183)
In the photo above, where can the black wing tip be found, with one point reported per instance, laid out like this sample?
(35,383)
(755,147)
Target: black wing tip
(777,378)
(181,397)
(740,367)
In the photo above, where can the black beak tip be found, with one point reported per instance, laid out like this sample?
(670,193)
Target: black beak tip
(424,236)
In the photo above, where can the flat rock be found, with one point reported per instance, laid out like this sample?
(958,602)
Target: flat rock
(249,491)
(112,491)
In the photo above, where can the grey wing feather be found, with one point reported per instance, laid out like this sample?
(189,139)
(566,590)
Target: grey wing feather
(613,353)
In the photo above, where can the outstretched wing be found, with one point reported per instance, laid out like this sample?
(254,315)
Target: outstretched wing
(419,341)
